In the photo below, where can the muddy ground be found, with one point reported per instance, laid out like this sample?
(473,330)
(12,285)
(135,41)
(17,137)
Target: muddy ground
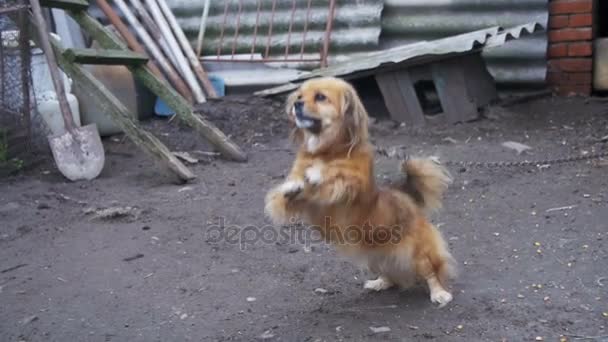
(531,242)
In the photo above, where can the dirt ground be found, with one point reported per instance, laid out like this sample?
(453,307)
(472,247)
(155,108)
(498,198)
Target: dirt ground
(183,263)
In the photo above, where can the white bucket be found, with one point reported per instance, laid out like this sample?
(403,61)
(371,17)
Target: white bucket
(46,98)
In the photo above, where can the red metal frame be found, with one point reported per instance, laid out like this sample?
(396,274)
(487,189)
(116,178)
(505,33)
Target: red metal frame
(266,56)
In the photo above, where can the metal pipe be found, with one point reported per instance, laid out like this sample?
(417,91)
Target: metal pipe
(202,28)
(274,6)
(153,48)
(187,48)
(172,42)
(328,29)
(123,30)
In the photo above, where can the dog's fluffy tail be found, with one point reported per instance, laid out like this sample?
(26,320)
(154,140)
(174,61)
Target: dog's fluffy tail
(426,182)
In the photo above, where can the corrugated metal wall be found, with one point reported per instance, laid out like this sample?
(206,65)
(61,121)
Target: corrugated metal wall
(356,25)
(520,64)
(368,25)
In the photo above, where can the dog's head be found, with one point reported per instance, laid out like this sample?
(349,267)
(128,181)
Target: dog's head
(327,113)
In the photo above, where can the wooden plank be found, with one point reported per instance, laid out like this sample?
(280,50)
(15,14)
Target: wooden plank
(451,85)
(161,89)
(105,57)
(480,83)
(74,5)
(109,104)
(400,97)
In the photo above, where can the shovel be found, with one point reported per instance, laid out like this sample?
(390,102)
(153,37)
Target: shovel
(78,152)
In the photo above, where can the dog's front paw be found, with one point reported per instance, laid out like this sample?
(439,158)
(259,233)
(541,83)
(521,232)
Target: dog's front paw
(378,284)
(291,189)
(313,175)
(441,297)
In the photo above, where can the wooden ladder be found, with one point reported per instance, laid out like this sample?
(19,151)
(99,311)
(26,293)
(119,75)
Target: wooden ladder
(115,52)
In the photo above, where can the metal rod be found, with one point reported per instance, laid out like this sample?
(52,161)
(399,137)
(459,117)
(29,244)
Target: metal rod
(219,47)
(126,34)
(328,29)
(236,30)
(53,67)
(274,6)
(201,29)
(255,29)
(264,60)
(187,48)
(26,58)
(150,44)
(305,28)
(188,75)
(2,64)
(293,11)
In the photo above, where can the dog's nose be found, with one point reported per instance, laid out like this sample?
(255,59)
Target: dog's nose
(299,105)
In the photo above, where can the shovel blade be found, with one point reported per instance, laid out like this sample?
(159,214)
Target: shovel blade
(78,154)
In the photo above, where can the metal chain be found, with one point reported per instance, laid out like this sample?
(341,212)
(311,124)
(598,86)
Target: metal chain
(499,164)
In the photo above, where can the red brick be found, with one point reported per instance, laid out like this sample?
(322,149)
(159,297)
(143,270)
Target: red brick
(581,20)
(570,6)
(558,50)
(581,49)
(570,64)
(559,21)
(580,78)
(557,78)
(570,34)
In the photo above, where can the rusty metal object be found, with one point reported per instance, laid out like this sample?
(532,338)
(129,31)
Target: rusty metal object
(285,56)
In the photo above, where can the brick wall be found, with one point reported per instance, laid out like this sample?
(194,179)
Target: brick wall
(570,50)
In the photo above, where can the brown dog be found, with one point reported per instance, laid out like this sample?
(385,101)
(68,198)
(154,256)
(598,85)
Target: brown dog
(331,187)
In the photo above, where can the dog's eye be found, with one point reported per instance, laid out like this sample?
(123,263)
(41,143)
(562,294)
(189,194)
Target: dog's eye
(300,97)
(320,97)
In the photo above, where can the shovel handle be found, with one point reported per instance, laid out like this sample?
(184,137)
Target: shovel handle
(45,44)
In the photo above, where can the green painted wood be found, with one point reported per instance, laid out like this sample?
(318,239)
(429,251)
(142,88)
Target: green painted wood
(73,5)
(105,57)
(142,73)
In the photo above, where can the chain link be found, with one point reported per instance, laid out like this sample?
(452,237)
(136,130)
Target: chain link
(500,164)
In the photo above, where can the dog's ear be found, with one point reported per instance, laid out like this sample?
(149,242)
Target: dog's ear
(297,136)
(289,103)
(355,116)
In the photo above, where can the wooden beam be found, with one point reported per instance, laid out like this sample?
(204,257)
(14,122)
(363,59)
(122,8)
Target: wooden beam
(108,103)
(182,108)
(105,57)
(73,5)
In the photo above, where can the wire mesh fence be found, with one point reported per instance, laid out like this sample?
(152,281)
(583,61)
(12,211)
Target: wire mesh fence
(15,82)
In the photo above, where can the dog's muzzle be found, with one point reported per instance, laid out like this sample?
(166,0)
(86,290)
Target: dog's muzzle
(304,121)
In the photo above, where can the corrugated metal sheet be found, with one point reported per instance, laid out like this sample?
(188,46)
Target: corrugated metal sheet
(517,65)
(356,27)
(416,53)
(371,25)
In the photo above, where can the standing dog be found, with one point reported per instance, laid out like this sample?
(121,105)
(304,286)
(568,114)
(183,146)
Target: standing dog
(331,187)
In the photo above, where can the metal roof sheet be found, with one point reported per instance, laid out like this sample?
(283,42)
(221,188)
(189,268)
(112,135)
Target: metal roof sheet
(416,53)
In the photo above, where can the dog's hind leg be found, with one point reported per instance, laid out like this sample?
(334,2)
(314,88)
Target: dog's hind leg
(439,295)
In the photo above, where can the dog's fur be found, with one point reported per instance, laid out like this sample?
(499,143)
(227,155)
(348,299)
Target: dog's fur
(331,187)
